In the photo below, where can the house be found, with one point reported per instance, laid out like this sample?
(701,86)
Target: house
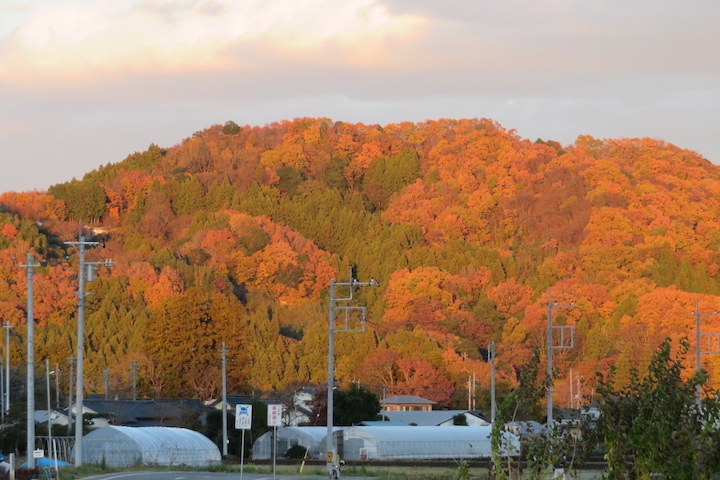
(300,413)
(232,402)
(56,418)
(404,403)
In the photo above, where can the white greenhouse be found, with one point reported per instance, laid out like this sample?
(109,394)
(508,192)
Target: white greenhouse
(116,446)
(401,443)
(312,438)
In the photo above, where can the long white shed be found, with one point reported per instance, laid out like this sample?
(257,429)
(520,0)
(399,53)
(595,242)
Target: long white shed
(404,443)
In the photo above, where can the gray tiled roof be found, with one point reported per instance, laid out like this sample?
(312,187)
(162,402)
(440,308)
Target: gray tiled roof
(232,401)
(146,412)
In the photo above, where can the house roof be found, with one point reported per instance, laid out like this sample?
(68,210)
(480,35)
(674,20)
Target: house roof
(374,423)
(406,399)
(232,401)
(41,416)
(427,418)
(145,412)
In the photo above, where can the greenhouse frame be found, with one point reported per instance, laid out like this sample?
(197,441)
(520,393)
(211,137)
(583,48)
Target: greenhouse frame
(117,446)
(312,438)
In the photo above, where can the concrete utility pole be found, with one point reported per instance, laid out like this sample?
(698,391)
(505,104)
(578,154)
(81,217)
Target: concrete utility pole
(224,400)
(134,380)
(698,350)
(550,347)
(71,369)
(332,460)
(86,273)
(493,404)
(57,385)
(7,367)
(30,361)
(49,407)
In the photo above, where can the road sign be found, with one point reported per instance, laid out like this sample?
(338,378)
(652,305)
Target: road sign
(274,418)
(40,453)
(243,417)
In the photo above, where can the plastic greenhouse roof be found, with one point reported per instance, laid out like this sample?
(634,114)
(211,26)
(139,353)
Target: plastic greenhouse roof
(157,437)
(438,434)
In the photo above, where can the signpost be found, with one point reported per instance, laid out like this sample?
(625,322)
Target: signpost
(243,421)
(274,419)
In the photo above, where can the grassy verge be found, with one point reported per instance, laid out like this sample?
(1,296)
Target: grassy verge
(368,471)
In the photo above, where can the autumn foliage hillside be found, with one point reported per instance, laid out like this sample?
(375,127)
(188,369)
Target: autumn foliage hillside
(235,234)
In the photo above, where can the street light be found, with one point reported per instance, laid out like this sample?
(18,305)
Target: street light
(333,462)
(550,347)
(698,351)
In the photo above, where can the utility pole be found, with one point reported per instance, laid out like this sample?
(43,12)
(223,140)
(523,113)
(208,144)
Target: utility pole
(698,350)
(473,402)
(57,385)
(550,347)
(493,404)
(470,392)
(71,369)
(30,361)
(134,380)
(7,367)
(332,460)
(106,378)
(224,400)
(86,273)
(49,408)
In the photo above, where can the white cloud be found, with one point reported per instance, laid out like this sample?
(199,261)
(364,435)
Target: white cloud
(81,38)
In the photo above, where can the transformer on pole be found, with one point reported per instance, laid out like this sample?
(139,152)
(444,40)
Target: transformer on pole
(565,341)
(712,345)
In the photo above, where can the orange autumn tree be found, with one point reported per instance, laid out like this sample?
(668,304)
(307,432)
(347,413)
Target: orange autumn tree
(419,377)
(419,298)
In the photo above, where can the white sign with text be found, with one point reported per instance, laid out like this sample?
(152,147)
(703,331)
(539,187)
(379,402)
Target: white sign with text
(274,417)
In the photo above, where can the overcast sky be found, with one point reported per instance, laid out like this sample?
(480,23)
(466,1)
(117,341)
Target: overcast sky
(87,82)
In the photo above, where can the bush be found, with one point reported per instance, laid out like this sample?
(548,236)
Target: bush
(296,452)
(27,473)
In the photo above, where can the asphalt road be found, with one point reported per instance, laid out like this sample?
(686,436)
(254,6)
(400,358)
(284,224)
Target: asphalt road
(203,476)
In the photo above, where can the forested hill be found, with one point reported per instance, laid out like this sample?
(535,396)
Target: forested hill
(234,235)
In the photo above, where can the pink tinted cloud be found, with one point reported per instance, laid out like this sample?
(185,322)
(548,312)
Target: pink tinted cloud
(74,41)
